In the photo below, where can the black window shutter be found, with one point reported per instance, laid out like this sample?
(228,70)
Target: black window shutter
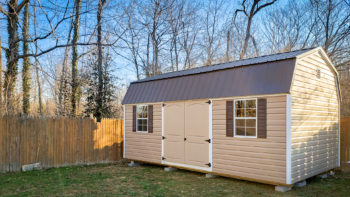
(229,118)
(262,126)
(134,118)
(150,118)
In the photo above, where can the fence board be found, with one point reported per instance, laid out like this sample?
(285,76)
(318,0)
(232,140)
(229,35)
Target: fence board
(345,143)
(56,142)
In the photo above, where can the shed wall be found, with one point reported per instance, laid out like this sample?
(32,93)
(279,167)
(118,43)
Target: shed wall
(144,146)
(254,159)
(315,121)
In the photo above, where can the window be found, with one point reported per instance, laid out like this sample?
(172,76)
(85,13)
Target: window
(245,121)
(141,118)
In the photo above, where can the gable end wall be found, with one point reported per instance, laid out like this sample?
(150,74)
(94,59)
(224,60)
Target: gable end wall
(314,130)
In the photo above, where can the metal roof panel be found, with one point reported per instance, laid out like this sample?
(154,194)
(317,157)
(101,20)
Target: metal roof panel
(233,64)
(265,78)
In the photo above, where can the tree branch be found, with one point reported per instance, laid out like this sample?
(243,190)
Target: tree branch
(21,5)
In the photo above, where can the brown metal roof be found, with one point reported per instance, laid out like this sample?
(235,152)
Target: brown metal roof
(256,79)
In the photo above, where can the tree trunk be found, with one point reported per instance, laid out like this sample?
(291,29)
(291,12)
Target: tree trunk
(176,54)
(155,53)
(12,69)
(99,110)
(36,63)
(254,9)
(63,95)
(26,63)
(39,87)
(147,56)
(246,39)
(228,46)
(1,93)
(75,84)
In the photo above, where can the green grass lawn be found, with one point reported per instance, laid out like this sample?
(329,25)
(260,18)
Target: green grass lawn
(147,180)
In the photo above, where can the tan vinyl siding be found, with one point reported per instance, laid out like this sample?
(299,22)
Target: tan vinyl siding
(144,146)
(314,129)
(257,159)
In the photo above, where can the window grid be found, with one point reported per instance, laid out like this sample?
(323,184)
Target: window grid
(244,118)
(144,120)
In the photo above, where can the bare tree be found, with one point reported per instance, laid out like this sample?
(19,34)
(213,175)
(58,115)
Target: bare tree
(133,43)
(1,93)
(211,30)
(26,62)
(250,9)
(333,28)
(64,88)
(286,28)
(99,109)
(36,63)
(175,20)
(13,9)
(158,14)
(189,33)
(75,83)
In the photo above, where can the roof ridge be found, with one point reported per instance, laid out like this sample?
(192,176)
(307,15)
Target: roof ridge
(279,53)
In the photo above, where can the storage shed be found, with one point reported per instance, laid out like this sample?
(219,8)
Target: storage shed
(272,119)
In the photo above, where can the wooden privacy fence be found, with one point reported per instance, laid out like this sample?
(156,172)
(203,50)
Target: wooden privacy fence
(55,142)
(345,143)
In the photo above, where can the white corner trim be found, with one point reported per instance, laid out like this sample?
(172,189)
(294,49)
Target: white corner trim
(124,132)
(339,100)
(162,161)
(211,134)
(289,140)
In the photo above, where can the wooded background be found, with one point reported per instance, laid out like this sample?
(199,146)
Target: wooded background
(56,142)
(77,57)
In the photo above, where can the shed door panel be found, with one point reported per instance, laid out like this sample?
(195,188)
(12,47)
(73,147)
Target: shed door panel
(196,133)
(174,126)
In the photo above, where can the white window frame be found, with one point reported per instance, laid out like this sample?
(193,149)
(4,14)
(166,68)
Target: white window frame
(137,118)
(244,118)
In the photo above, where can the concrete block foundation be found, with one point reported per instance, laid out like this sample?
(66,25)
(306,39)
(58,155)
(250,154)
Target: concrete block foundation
(282,188)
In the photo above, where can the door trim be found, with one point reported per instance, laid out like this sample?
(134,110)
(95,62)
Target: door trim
(211,135)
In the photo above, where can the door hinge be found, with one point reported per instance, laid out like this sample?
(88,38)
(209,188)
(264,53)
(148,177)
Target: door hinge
(208,164)
(163,138)
(208,140)
(163,158)
(209,102)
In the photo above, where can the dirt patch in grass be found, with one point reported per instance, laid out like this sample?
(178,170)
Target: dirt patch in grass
(121,180)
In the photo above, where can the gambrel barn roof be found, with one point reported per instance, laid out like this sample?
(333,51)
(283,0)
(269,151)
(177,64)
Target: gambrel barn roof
(270,74)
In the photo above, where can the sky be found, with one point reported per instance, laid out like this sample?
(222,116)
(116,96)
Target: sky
(122,68)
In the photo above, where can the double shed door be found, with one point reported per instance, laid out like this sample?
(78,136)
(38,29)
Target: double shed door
(186,132)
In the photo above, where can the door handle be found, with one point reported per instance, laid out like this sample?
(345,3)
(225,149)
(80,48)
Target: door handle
(185,139)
